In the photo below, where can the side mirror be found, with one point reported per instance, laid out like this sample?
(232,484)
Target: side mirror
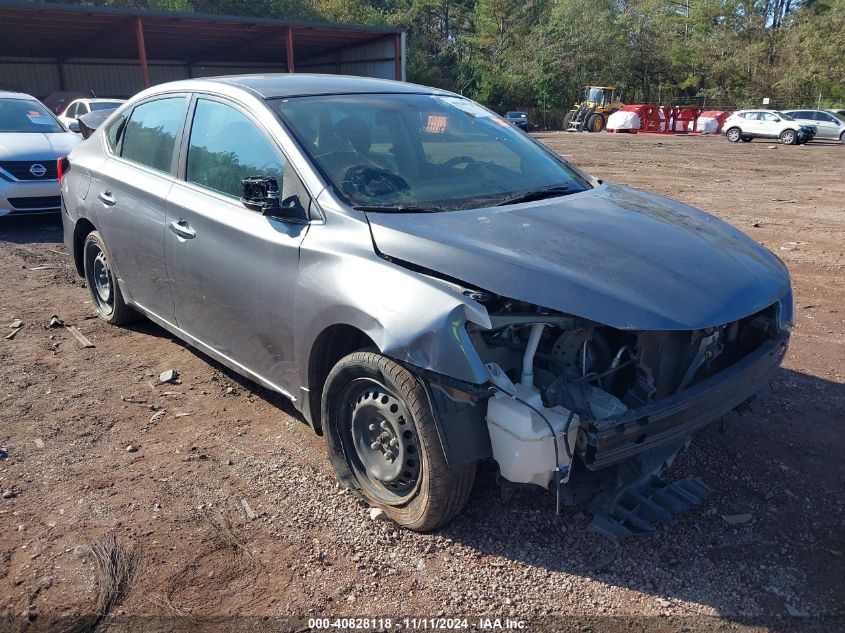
(73,126)
(261,194)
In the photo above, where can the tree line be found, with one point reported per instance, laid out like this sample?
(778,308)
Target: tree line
(512,54)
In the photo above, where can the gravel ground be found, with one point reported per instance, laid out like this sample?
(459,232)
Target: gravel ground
(228,502)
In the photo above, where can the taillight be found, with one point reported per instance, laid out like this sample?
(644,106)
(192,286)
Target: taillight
(62,167)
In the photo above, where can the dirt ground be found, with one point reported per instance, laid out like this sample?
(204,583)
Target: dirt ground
(221,499)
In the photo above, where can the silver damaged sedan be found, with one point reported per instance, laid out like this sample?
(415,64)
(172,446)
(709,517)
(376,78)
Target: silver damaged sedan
(430,287)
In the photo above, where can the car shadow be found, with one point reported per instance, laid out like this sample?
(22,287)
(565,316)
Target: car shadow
(775,472)
(28,229)
(147,327)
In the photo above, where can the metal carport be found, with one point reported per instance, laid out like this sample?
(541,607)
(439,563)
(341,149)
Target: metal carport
(112,52)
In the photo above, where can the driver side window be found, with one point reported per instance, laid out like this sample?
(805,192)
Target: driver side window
(226,147)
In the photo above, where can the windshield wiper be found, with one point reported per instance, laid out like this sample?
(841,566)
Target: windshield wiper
(398,209)
(538,194)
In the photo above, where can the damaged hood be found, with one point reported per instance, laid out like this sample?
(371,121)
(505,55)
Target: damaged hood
(621,257)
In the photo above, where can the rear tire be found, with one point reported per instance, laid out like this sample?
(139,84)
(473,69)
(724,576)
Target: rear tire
(595,123)
(734,135)
(383,443)
(842,138)
(788,137)
(102,285)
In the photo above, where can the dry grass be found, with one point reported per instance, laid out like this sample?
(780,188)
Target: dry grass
(226,565)
(116,565)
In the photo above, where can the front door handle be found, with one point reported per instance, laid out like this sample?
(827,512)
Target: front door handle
(182,229)
(106,198)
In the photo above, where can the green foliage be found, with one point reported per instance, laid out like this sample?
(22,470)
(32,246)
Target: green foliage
(512,54)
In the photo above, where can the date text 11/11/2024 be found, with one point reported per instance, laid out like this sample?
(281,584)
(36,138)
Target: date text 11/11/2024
(417,624)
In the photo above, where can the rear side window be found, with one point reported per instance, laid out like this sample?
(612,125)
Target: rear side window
(150,134)
(114,131)
(226,147)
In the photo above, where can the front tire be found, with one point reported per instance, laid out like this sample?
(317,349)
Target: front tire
(383,443)
(788,137)
(734,135)
(595,123)
(842,138)
(102,285)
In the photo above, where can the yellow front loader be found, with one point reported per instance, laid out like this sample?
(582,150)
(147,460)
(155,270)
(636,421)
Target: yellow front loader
(598,103)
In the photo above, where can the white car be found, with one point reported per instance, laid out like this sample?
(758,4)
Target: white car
(829,126)
(31,141)
(78,107)
(745,125)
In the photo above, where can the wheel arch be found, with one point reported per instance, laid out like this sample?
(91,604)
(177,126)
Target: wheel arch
(81,229)
(332,344)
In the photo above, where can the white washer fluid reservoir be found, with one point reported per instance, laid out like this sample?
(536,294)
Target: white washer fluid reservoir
(523,444)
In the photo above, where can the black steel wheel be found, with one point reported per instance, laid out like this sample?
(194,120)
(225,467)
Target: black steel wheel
(383,442)
(102,284)
(380,440)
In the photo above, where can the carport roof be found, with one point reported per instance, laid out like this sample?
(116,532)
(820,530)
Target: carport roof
(38,29)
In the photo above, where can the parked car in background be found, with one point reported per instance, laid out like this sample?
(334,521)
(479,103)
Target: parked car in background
(517,119)
(31,139)
(429,286)
(81,107)
(59,100)
(829,126)
(838,111)
(745,125)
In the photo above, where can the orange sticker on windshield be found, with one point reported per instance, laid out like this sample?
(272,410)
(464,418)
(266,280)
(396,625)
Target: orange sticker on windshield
(436,124)
(34,113)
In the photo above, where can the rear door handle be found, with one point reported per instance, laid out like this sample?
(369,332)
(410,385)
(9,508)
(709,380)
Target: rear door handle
(182,229)
(106,198)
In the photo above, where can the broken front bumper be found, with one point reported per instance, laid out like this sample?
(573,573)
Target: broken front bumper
(679,416)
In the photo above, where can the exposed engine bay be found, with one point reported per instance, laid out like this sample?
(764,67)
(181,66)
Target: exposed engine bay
(604,394)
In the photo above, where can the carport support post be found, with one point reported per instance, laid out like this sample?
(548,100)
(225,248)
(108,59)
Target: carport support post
(289,48)
(397,56)
(142,52)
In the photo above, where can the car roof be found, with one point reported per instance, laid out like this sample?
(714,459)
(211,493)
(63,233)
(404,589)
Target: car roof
(7,94)
(271,86)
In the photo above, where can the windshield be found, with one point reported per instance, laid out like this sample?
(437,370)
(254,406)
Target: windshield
(598,95)
(415,152)
(784,116)
(105,105)
(515,115)
(24,115)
